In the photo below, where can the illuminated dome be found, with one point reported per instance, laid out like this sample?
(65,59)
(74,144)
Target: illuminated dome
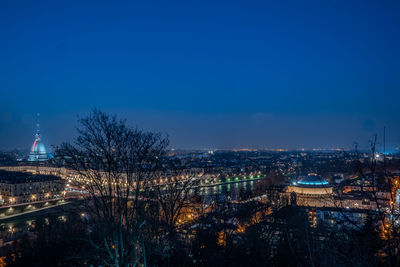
(38,151)
(312,180)
(312,184)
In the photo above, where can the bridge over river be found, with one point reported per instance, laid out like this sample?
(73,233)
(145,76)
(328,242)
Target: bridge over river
(208,184)
(71,176)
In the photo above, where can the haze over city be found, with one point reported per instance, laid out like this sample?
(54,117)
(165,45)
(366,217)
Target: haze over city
(210,75)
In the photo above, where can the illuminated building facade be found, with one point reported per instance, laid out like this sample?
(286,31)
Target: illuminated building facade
(324,205)
(19,187)
(310,191)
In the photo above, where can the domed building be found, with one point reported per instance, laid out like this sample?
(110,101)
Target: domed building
(311,184)
(312,191)
(38,151)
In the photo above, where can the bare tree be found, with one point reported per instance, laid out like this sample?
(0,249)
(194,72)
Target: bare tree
(380,188)
(384,195)
(116,164)
(175,198)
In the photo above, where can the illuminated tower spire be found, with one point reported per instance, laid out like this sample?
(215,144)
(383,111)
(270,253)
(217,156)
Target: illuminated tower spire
(38,151)
(37,135)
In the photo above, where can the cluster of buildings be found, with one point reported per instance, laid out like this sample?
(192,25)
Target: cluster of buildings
(24,187)
(350,200)
(27,186)
(36,182)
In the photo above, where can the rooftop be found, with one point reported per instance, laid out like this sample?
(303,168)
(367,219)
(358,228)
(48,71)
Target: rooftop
(11,177)
(311,180)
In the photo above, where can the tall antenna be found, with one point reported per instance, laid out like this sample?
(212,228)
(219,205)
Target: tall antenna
(384,139)
(384,149)
(37,137)
(37,125)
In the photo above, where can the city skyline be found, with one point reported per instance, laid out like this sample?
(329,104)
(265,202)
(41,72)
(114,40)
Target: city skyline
(363,146)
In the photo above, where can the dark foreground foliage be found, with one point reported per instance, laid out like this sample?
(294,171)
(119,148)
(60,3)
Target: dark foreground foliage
(228,235)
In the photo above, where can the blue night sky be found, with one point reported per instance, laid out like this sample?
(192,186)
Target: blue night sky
(211,74)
